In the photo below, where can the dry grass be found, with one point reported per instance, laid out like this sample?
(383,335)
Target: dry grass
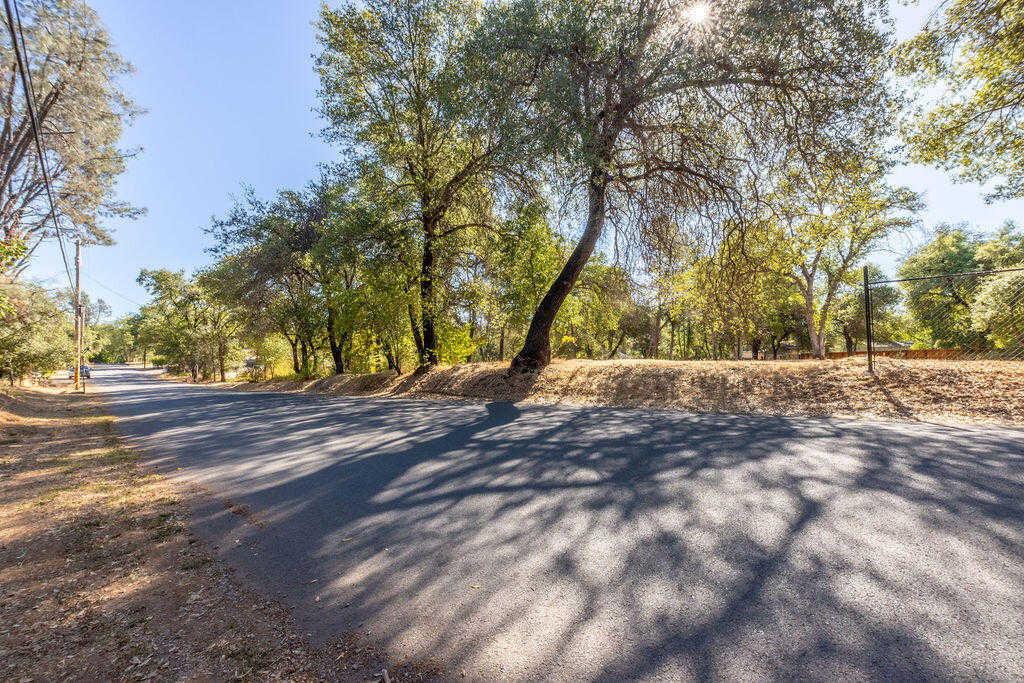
(101,579)
(984,391)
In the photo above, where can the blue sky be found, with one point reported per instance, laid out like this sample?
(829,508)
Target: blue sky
(229,89)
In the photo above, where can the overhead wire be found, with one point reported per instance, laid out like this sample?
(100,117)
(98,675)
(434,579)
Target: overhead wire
(114,291)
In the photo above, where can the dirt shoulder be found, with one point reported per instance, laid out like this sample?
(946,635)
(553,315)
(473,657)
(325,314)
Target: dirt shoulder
(933,390)
(101,579)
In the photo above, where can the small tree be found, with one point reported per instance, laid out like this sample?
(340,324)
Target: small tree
(828,223)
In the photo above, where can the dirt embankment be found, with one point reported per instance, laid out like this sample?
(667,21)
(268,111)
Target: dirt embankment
(101,578)
(926,390)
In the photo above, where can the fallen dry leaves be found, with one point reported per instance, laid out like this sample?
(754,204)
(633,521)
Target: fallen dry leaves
(101,579)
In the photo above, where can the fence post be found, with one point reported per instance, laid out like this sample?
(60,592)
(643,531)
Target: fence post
(867,321)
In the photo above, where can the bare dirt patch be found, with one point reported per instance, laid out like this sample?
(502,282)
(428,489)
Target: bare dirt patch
(935,390)
(101,579)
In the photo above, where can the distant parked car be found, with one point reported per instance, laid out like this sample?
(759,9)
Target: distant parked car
(85,372)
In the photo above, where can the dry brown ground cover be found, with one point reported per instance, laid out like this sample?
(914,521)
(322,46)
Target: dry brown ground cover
(101,579)
(987,391)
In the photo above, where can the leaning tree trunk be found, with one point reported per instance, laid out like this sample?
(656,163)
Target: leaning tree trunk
(536,351)
(615,348)
(390,356)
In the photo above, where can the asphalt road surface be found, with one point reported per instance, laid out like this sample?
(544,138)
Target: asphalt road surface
(561,543)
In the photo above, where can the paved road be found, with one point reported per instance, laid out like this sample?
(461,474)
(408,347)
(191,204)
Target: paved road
(526,542)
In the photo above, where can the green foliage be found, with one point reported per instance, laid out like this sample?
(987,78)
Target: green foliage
(113,343)
(195,330)
(35,334)
(970,55)
(11,252)
(942,310)
(998,310)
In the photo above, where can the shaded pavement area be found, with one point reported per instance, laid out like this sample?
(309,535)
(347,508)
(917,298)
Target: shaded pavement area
(528,541)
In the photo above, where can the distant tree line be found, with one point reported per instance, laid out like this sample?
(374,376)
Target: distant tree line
(717,307)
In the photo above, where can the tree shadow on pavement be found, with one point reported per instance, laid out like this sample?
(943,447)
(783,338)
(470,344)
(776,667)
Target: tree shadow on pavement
(550,542)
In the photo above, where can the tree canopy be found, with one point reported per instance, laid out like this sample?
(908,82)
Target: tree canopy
(81,110)
(969,66)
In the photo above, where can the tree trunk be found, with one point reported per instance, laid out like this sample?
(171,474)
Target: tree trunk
(615,349)
(414,325)
(428,352)
(295,354)
(391,357)
(817,340)
(501,345)
(221,353)
(536,351)
(304,356)
(851,346)
(654,343)
(755,347)
(143,359)
(336,355)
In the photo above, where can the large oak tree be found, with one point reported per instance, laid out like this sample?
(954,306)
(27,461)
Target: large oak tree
(659,102)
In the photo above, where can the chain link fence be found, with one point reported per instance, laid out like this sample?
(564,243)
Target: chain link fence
(975,316)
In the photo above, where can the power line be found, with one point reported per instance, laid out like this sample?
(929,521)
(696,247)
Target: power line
(114,291)
(26,85)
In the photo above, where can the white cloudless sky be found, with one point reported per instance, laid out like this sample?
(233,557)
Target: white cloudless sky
(229,91)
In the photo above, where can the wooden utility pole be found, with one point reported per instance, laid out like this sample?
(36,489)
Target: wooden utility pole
(79,320)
